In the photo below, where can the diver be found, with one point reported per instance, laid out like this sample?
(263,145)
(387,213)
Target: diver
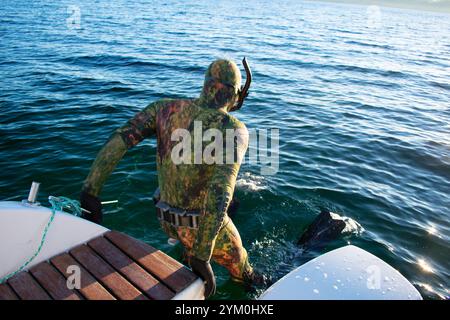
(193,199)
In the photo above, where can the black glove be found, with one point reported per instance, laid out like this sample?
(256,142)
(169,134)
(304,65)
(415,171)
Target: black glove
(92,204)
(203,270)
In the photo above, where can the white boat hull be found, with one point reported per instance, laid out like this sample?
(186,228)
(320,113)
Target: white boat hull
(21,229)
(347,273)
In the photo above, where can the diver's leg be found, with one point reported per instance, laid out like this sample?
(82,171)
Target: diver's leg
(187,238)
(228,252)
(185,235)
(231,254)
(228,249)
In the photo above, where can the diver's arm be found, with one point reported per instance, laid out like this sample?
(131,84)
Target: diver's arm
(141,126)
(219,195)
(105,162)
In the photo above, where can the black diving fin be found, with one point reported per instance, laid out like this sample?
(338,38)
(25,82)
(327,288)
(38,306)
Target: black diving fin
(327,227)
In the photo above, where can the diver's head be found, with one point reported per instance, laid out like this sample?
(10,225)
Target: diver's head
(222,85)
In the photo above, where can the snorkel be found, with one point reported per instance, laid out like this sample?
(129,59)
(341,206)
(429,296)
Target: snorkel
(243,92)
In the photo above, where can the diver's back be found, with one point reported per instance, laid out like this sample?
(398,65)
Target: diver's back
(183,178)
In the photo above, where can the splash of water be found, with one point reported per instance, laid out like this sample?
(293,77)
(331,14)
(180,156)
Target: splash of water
(251,182)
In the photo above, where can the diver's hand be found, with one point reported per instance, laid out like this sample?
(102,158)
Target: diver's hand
(203,270)
(92,204)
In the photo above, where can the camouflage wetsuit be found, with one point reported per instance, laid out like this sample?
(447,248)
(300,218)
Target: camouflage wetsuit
(204,187)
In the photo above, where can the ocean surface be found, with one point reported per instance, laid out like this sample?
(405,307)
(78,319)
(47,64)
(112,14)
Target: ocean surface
(361,96)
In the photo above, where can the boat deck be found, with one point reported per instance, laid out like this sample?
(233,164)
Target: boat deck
(113,266)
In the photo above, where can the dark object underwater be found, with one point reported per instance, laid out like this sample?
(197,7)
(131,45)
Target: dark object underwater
(325,228)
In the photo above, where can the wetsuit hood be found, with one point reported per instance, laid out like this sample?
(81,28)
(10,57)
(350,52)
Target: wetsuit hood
(221,86)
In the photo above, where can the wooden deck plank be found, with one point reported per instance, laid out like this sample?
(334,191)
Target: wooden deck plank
(90,288)
(109,277)
(6,293)
(27,288)
(130,270)
(171,272)
(53,282)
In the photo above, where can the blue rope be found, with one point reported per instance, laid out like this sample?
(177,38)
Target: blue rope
(58,204)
